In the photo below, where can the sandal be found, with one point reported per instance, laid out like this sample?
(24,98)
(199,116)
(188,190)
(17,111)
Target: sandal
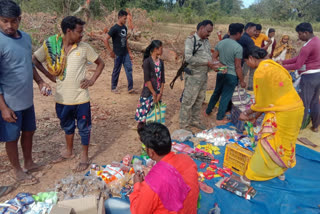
(307,142)
(205,188)
(315,129)
(4,190)
(115,91)
(222,122)
(62,159)
(82,166)
(27,181)
(282,177)
(132,91)
(205,113)
(37,169)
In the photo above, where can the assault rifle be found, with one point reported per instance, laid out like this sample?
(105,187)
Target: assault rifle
(184,66)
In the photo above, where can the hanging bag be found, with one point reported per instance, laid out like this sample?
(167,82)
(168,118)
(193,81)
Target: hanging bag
(157,114)
(241,101)
(241,98)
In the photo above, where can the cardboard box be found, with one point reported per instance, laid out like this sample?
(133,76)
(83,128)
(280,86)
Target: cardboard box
(101,208)
(87,205)
(59,209)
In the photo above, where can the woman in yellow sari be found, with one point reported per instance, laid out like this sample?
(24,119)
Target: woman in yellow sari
(276,97)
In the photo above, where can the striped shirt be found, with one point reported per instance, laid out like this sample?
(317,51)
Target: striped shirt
(68,91)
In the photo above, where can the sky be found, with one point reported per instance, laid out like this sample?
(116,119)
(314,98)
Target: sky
(247,3)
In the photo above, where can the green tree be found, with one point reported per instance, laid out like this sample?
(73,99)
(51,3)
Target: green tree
(198,6)
(149,4)
(230,6)
(281,10)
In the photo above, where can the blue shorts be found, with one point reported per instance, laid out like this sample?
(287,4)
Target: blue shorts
(69,114)
(11,131)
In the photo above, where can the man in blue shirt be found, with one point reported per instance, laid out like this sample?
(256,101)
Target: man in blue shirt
(16,91)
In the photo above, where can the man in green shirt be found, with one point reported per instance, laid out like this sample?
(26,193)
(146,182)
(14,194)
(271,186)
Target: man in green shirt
(230,54)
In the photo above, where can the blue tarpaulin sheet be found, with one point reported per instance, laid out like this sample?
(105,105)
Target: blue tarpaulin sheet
(299,193)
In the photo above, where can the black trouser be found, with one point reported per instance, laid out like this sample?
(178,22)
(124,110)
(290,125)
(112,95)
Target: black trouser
(225,85)
(309,93)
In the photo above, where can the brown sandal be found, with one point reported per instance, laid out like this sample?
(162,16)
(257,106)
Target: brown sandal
(27,181)
(205,188)
(38,168)
(222,122)
(62,159)
(82,166)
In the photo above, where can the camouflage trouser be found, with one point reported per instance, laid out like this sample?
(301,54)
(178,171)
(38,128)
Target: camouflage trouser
(193,97)
(246,69)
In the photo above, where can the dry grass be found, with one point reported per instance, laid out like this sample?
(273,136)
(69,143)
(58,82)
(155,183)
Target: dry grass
(41,25)
(112,135)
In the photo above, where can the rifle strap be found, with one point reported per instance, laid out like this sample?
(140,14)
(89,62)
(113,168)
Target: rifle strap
(195,50)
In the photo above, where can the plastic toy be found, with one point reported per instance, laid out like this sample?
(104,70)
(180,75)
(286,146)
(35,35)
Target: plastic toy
(201,157)
(203,165)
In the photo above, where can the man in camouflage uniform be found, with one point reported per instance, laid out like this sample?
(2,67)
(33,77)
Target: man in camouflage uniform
(199,64)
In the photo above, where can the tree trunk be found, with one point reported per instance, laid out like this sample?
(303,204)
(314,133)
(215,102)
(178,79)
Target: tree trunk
(137,46)
(181,2)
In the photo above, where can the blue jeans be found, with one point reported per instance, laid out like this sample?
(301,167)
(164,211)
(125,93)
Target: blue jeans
(117,206)
(118,61)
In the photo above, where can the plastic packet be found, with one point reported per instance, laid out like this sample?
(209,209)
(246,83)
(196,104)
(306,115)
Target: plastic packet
(218,137)
(150,163)
(39,208)
(249,128)
(181,135)
(112,171)
(181,147)
(143,150)
(47,197)
(127,160)
(137,165)
(17,205)
(74,187)
(124,168)
(117,185)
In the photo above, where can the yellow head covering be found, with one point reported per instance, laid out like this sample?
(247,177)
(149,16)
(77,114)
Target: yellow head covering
(273,88)
(288,43)
(283,46)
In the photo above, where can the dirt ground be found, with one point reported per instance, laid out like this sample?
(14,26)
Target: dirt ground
(113,124)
